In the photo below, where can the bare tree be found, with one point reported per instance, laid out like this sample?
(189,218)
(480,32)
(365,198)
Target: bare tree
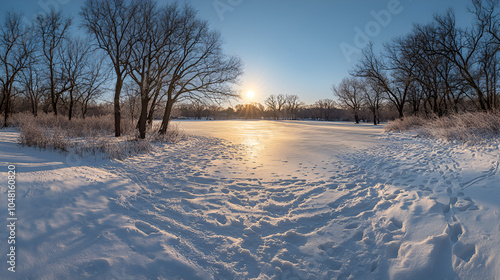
(486,12)
(376,71)
(111,23)
(198,108)
(401,62)
(293,105)
(16,47)
(437,65)
(350,92)
(276,104)
(431,73)
(200,70)
(488,18)
(272,106)
(373,100)
(31,81)
(326,108)
(281,102)
(489,68)
(153,54)
(74,66)
(52,29)
(214,110)
(461,47)
(96,76)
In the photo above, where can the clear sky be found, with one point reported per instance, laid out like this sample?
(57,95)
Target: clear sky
(299,47)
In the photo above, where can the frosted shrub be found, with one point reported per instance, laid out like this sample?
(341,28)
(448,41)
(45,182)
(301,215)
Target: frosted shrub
(34,136)
(405,124)
(92,135)
(77,127)
(470,128)
(59,140)
(173,135)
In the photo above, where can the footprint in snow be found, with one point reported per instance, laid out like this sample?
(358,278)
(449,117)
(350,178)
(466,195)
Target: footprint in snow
(352,226)
(220,218)
(145,227)
(454,231)
(464,251)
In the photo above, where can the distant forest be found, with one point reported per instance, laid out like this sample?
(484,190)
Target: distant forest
(279,107)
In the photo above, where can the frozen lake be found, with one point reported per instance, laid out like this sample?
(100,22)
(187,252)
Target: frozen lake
(288,142)
(276,135)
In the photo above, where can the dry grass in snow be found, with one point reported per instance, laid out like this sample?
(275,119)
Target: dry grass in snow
(92,135)
(471,128)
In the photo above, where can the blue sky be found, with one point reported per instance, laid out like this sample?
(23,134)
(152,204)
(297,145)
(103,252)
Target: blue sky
(294,46)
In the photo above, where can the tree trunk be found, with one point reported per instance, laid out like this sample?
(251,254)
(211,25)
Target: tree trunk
(151,114)
(53,101)
(7,103)
(53,98)
(35,107)
(84,108)
(153,107)
(356,116)
(482,103)
(143,118)
(70,111)
(3,100)
(166,116)
(118,89)
(400,111)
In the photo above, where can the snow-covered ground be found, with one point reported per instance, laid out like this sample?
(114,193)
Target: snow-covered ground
(259,200)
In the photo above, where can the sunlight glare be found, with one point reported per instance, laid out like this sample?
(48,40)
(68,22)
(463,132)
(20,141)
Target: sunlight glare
(250,94)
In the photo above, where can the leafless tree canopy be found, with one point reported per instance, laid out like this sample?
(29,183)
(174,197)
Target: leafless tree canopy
(52,31)
(167,51)
(200,69)
(439,68)
(351,93)
(111,24)
(16,48)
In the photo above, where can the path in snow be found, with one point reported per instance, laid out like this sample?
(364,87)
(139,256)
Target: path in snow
(266,200)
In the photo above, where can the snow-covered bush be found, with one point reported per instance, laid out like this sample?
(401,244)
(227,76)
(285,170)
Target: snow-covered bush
(173,135)
(475,127)
(405,124)
(77,127)
(92,135)
(34,135)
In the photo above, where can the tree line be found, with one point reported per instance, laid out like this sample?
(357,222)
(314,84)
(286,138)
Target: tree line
(165,53)
(46,66)
(155,57)
(279,107)
(437,69)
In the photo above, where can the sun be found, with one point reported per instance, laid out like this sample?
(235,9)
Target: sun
(250,94)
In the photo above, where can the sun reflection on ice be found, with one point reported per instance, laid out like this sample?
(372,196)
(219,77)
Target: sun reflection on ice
(252,145)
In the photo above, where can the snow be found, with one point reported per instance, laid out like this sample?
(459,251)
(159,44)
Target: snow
(259,200)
